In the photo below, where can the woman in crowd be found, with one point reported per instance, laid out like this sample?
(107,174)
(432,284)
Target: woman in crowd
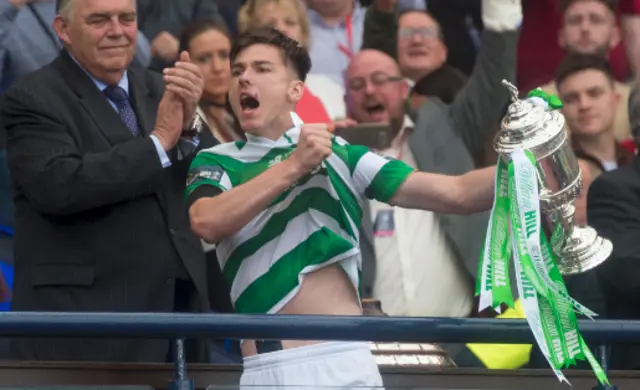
(209,44)
(323,99)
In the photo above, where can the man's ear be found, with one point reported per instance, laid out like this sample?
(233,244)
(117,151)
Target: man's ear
(406,89)
(62,29)
(615,38)
(617,98)
(561,41)
(296,89)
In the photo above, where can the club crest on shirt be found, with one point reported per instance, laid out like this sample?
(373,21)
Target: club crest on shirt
(213,173)
(276,160)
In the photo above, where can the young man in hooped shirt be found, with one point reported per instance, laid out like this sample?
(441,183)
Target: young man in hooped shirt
(284,209)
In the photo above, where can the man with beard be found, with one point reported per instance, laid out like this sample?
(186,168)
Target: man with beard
(590,27)
(284,209)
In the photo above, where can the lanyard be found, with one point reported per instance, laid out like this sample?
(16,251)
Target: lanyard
(348,50)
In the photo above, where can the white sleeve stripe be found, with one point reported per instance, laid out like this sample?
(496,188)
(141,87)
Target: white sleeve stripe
(225,181)
(366,170)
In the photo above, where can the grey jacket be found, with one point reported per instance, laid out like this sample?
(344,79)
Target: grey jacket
(443,139)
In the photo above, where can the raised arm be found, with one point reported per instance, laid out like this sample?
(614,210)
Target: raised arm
(465,194)
(478,106)
(380,27)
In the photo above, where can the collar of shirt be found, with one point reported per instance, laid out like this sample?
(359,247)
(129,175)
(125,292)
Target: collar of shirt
(400,139)
(288,138)
(123,83)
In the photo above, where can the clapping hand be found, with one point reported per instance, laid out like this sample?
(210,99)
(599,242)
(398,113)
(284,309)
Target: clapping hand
(185,81)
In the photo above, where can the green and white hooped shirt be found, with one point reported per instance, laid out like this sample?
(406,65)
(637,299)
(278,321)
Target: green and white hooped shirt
(311,225)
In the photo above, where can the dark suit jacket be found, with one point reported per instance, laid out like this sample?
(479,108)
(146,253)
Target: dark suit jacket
(613,209)
(100,225)
(444,139)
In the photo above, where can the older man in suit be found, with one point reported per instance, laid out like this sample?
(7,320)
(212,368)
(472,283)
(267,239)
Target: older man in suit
(99,168)
(420,263)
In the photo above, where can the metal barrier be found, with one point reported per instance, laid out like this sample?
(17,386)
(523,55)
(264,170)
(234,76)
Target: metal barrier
(243,326)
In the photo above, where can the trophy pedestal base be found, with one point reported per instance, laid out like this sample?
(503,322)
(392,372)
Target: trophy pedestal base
(583,250)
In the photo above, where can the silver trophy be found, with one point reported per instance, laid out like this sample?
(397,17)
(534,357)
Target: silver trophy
(532,127)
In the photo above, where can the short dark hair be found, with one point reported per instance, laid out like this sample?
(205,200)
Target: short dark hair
(292,51)
(578,62)
(197,27)
(565,4)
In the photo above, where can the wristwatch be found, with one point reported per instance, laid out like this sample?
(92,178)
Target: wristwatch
(195,128)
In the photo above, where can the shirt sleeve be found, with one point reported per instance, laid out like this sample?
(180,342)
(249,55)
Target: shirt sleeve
(164,158)
(205,170)
(374,176)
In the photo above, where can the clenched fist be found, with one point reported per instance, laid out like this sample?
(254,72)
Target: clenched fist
(314,145)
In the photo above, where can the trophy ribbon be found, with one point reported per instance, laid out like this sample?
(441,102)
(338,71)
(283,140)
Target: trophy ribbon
(515,228)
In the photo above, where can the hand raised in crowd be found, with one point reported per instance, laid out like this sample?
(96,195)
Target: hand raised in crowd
(165,46)
(169,120)
(314,145)
(185,80)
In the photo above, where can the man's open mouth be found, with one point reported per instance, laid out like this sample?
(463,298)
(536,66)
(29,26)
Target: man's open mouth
(374,108)
(248,102)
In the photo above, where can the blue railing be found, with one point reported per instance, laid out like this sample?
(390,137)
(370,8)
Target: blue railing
(241,326)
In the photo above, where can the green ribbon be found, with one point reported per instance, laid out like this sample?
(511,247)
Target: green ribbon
(553,102)
(515,228)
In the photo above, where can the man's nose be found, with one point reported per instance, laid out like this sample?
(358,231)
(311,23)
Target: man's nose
(115,28)
(416,37)
(584,103)
(585,27)
(369,87)
(244,79)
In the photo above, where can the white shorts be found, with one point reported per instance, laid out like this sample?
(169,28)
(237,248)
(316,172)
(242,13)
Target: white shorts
(330,365)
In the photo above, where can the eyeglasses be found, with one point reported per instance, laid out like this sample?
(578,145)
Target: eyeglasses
(378,79)
(407,33)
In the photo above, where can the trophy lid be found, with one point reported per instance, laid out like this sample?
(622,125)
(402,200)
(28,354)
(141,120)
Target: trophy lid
(526,124)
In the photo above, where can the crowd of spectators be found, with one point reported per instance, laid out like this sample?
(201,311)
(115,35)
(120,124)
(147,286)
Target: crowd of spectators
(432,70)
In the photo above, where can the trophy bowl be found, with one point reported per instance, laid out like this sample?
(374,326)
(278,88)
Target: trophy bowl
(532,127)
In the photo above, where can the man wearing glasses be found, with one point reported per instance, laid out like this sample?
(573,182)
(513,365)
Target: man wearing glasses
(421,263)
